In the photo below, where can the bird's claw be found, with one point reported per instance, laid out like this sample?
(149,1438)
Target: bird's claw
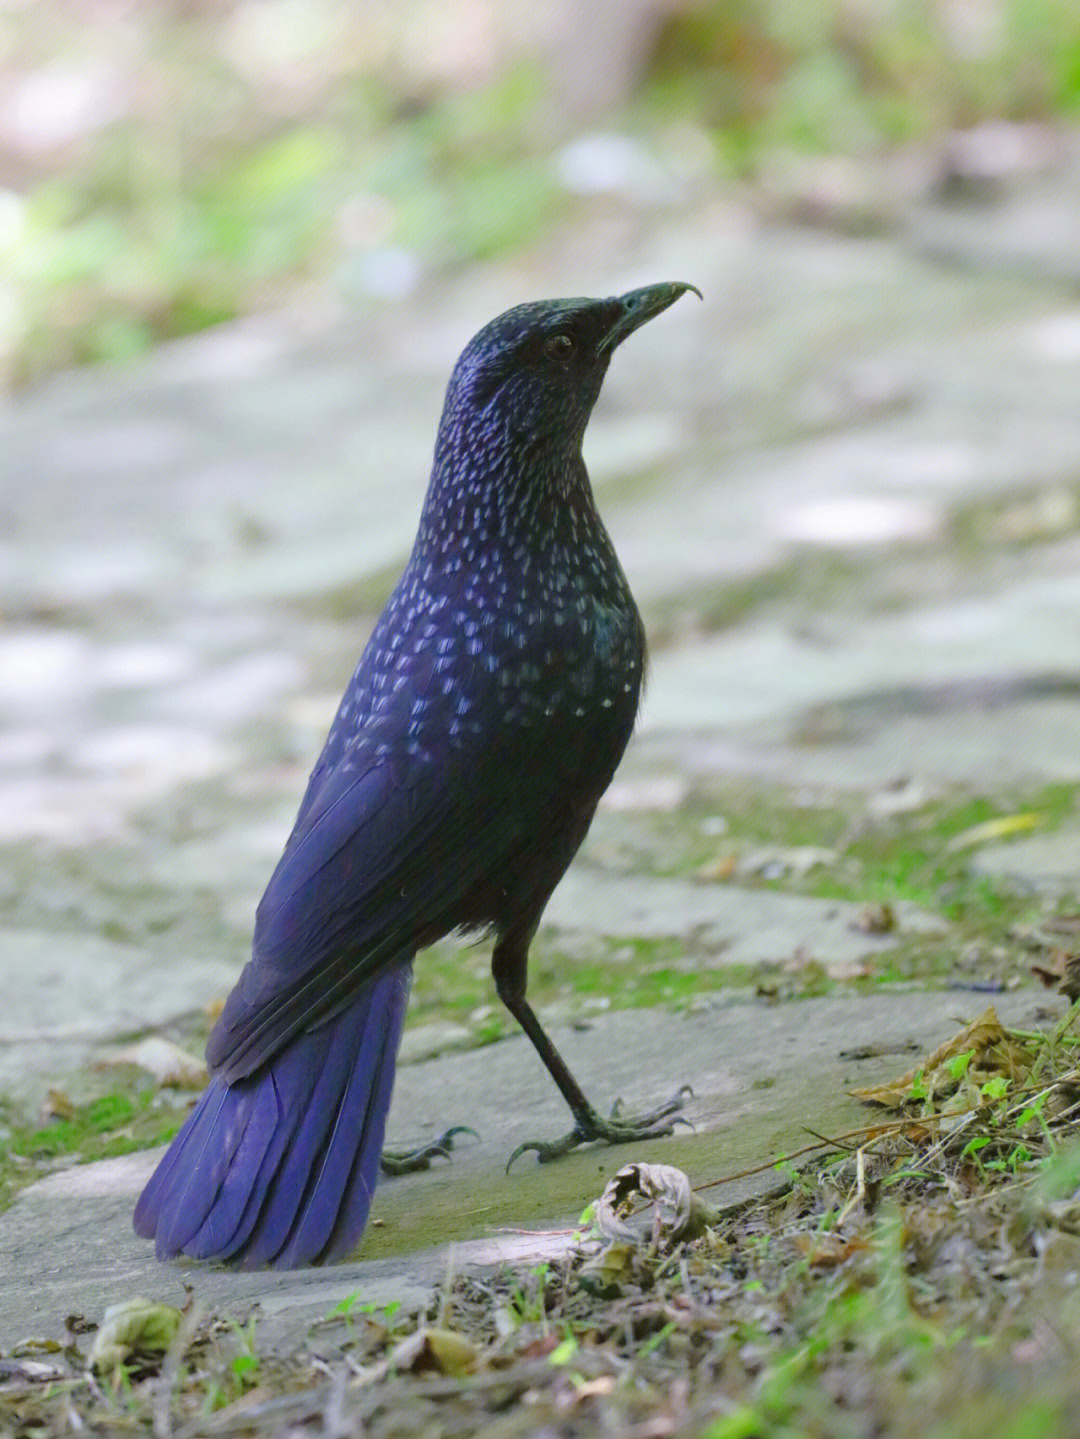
(657,1124)
(667,1110)
(410,1161)
(548,1149)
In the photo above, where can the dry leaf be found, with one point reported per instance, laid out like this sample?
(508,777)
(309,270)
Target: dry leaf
(1049,976)
(827,1251)
(843,969)
(604,1275)
(538,1348)
(993,1052)
(593,1388)
(167,1062)
(1003,828)
(875,919)
(678,1212)
(58,1105)
(1062,924)
(717,869)
(902,796)
(434,1349)
(1062,972)
(137,1326)
(1064,1214)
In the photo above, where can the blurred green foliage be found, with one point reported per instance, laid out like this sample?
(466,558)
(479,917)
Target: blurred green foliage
(266,145)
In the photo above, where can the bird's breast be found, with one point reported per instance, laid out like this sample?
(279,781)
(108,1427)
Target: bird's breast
(571,672)
(463,671)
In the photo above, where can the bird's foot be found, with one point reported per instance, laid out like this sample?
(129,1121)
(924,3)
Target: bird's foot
(614,1130)
(409,1161)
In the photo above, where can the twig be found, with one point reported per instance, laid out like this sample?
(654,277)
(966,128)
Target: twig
(867,1132)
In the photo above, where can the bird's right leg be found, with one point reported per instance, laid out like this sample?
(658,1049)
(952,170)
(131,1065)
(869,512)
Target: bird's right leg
(509,964)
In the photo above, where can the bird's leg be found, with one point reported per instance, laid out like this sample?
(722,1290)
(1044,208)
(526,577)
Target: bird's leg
(408,1161)
(509,966)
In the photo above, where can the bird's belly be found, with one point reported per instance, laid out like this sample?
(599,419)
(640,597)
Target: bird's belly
(545,783)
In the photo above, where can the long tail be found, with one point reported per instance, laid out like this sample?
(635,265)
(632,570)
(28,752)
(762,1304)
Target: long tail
(279,1168)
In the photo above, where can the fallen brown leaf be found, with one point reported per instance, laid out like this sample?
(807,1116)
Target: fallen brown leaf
(875,919)
(993,1052)
(827,1251)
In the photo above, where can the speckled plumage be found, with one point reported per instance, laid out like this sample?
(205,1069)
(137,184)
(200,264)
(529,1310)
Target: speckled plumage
(484,720)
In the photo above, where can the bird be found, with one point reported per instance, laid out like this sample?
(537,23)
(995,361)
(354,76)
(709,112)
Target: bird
(484,721)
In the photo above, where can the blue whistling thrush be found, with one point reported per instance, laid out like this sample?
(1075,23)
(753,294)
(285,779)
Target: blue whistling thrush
(485,719)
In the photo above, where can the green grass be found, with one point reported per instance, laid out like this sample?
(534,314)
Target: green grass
(116,1122)
(906,857)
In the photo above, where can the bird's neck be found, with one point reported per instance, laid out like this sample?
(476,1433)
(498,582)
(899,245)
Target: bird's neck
(506,500)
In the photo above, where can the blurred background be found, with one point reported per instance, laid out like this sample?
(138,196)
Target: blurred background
(167,166)
(242,244)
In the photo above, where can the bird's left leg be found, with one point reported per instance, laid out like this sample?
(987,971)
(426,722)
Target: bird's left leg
(509,964)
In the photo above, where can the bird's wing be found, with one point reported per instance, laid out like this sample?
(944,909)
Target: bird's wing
(382,855)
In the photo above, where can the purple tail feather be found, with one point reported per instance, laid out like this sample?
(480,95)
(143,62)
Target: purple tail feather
(279,1168)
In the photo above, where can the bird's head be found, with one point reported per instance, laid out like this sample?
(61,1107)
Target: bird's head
(533,374)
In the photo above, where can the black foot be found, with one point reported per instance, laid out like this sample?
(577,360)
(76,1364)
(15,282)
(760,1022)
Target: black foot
(411,1160)
(614,1130)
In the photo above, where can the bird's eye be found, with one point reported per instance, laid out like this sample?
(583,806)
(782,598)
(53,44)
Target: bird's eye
(560,347)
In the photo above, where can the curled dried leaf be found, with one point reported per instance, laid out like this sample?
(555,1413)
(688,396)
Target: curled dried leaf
(604,1275)
(135,1327)
(678,1213)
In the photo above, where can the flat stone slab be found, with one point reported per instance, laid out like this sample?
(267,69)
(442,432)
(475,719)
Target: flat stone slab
(761,1074)
(70,995)
(940,692)
(734,923)
(1049,863)
(764,673)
